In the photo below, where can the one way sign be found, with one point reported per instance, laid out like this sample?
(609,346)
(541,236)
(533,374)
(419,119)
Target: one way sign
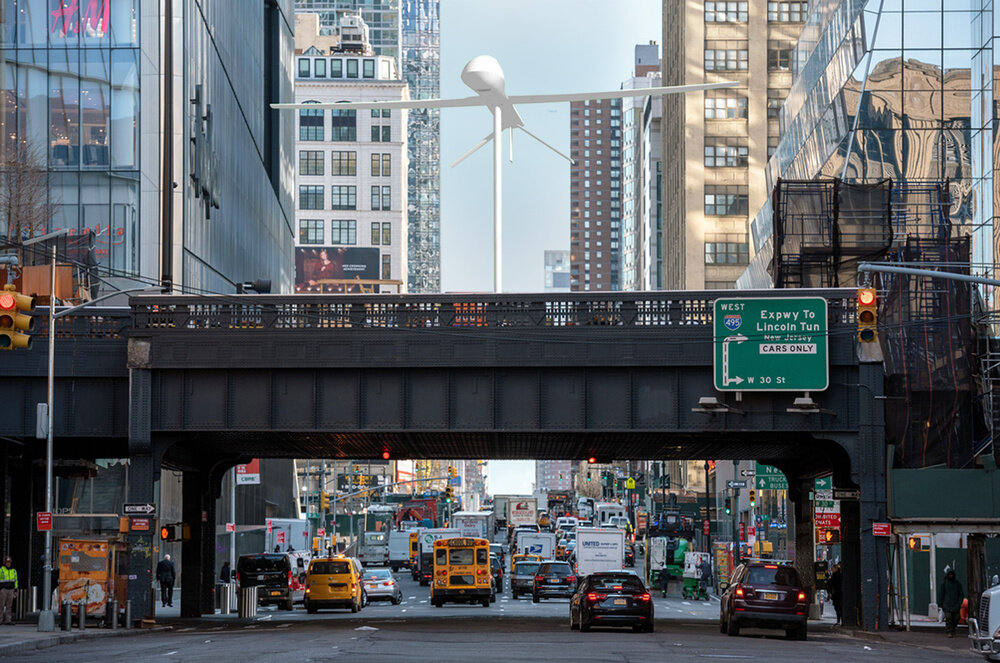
(144,509)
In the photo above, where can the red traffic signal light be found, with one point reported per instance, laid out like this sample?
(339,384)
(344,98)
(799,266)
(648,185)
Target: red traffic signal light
(867,315)
(592,460)
(165,533)
(385,454)
(14,324)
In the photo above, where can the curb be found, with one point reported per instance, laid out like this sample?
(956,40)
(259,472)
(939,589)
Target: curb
(44,642)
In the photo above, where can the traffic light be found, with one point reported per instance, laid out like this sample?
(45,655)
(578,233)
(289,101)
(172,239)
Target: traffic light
(451,472)
(588,476)
(867,315)
(917,543)
(324,500)
(592,460)
(449,494)
(14,324)
(753,498)
(832,536)
(385,454)
(729,506)
(175,532)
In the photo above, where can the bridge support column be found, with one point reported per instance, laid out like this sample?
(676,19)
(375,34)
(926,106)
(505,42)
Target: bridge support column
(198,552)
(144,470)
(804,544)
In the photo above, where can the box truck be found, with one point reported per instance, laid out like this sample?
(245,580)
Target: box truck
(522,511)
(399,549)
(542,544)
(599,549)
(427,538)
(477,524)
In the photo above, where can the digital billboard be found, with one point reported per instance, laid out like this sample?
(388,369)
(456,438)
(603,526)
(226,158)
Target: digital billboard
(326,268)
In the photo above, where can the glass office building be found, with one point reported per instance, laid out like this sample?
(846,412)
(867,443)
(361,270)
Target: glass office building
(81,100)
(900,89)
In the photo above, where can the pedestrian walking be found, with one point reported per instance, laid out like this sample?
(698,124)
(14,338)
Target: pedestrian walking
(226,574)
(950,596)
(166,574)
(835,588)
(705,569)
(8,587)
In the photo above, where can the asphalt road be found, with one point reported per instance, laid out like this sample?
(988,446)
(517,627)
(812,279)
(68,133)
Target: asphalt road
(506,631)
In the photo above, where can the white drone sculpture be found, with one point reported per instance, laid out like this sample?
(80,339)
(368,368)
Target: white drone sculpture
(484,76)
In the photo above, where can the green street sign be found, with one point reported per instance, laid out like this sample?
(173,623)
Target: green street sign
(771,344)
(769,478)
(823,483)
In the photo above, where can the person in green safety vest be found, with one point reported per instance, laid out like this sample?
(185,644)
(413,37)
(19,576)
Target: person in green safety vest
(8,585)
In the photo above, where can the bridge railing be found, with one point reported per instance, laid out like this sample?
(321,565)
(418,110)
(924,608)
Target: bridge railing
(89,322)
(162,313)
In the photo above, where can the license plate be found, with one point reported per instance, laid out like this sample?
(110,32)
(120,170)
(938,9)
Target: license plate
(621,602)
(260,577)
(275,593)
(770,596)
(558,582)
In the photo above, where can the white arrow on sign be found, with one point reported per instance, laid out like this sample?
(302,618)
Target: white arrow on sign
(761,482)
(726,380)
(140,508)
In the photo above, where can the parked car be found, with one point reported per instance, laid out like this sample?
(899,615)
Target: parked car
(611,599)
(765,594)
(522,578)
(553,579)
(380,584)
(272,574)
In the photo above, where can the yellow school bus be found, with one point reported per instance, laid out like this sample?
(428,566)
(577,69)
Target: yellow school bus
(461,572)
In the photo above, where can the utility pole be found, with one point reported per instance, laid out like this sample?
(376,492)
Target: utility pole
(708,513)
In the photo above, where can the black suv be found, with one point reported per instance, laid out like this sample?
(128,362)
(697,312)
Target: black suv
(611,599)
(553,580)
(271,573)
(765,594)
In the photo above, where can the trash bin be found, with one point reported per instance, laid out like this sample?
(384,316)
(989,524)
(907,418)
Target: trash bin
(22,603)
(248,602)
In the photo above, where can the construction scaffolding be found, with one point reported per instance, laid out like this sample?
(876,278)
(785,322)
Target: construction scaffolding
(823,229)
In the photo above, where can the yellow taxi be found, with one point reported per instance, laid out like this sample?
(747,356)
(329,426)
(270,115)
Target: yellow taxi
(524,558)
(334,582)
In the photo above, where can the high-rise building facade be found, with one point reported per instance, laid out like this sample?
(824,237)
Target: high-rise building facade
(350,217)
(557,271)
(409,30)
(716,143)
(84,88)
(553,475)
(595,194)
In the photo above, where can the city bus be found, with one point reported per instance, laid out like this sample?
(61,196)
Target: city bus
(461,572)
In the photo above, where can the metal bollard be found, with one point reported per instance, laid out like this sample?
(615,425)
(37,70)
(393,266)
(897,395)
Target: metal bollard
(112,613)
(21,597)
(81,615)
(67,615)
(128,613)
(228,592)
(248,602)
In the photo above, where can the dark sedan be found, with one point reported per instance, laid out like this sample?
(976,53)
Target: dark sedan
(629,555)
(611,599)
(496,570)
(765,595)
(522,578)
(553,580)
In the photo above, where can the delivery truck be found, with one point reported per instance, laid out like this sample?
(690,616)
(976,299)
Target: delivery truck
(475,524)
(427,538)
(522,511)
(542,544)
(399,549)
(599,549)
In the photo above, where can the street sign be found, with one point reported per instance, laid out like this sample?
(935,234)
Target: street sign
(827,520)
(881,529)
(43,519)
(230,527)
(268,525)
(846,494)
(280,537)
(771,344)
(320,531)
(630,483)
(736,484)
(823,483)
(143,508)
(769,478)
(140,524)
(743,532)
(747,473)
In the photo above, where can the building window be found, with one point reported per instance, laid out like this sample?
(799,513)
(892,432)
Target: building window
(387,197)
(343,197)
(772,146)
(386,234)
(310,231)
(725,105)
(344,163)
(310,196)
(787,12)
(376,233)
(376,198)
(726,200)
(386,165)
(725,12)
(352,68)
(311,124)
(319,68)
(727,249)
(310,162)
(381,133)
(344,125)
(726,55)
(343,232)
(336,68)
(779,55)
(725,152)
(381,165)
(386,267)
(303,67)
(775,99)
(369,69)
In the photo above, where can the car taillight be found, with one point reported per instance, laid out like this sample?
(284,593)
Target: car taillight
(739,591)
(593,596)
(644,597)
(289,577)
(539,578)
(571,578)
(802,597)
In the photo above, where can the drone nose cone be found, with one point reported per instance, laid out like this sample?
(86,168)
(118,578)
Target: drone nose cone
(483,74)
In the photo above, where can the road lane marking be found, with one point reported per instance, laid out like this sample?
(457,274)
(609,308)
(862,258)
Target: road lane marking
(283,625)
(170,653)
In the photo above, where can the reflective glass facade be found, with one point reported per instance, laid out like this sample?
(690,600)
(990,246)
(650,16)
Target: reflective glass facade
(905,94)
(70,105)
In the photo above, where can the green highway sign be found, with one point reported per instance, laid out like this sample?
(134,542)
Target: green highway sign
(769,478)
(771,344)
(823,483)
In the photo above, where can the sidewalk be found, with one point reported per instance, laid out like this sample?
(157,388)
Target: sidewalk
(24,636)
(926,637)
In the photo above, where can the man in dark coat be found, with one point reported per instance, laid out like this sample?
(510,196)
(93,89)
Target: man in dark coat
(950,596)
(835,588)
(166,574)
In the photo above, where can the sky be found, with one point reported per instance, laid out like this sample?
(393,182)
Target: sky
(544,47)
